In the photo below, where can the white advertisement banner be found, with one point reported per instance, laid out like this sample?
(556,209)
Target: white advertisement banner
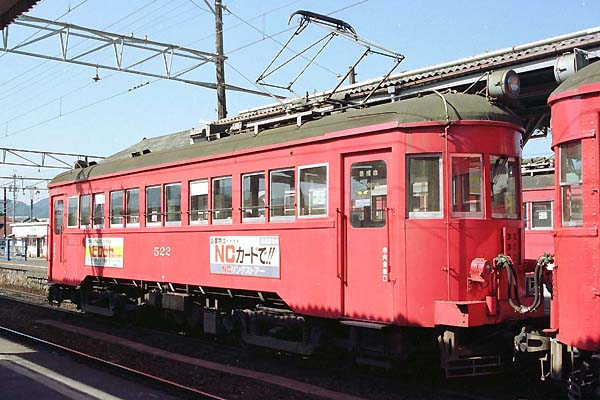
(104,252)
(245,255)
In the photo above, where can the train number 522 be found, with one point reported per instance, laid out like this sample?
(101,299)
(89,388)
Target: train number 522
(162,251)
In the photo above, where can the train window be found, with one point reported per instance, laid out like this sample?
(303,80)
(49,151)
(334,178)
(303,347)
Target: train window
(116,209)
(424,183)
(525,215)
(541,215)
(466,186)
(153,210)
(253,197)
(58,216)
(504,187)
(84,211)
(98,211)
(313,190)
(368,194)
(199,202)
(173,204)
(571,183)
(221,199)
(132,207)
(72,212)
(282,197)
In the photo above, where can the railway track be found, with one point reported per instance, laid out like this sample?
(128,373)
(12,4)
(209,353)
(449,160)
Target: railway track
(289,375)
(259,374)
(169,385)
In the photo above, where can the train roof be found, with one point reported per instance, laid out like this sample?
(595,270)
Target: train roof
(585,76)
(178,148)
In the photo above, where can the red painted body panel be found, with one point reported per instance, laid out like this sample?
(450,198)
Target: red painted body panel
(328,268)
(577,292)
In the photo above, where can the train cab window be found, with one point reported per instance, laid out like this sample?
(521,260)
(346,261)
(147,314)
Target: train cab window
(221,200)
(424,186)
(84,211)
(173,204)
(98,211)
(504,187)
(253,197)
(541,215)
(282,196)
(116,209)
(571,183)
(72,212)
(368,194)
(313,190)
(199,202)
(466,187)
(153,210)
(58,216)
(132,207)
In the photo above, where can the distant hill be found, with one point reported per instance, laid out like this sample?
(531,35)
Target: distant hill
(40,208)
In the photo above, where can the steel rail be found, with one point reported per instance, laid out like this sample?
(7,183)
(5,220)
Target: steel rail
(145,375)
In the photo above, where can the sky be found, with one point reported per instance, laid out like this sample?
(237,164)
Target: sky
(54,106)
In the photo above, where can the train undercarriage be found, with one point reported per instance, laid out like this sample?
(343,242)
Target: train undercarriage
(263,319)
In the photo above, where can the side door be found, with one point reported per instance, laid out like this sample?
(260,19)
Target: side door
(57,227)
(368,294)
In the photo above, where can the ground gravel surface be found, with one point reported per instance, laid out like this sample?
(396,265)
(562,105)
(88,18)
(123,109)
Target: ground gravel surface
(334,372)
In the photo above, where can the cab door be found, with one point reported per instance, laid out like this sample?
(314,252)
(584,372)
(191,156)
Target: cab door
(57,254)
(368,294)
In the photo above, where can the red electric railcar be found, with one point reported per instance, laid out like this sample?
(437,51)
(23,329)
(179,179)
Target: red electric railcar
(361,226)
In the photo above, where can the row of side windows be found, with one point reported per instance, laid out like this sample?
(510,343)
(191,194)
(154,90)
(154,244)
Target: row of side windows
(425,180)
(88,210)
(303,192)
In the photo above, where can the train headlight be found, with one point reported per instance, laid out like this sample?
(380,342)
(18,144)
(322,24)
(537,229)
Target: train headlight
(504,84)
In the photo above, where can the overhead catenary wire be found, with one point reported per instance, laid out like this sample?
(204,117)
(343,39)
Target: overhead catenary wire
(244,22)
(58,70)
(74,90)
(107,76)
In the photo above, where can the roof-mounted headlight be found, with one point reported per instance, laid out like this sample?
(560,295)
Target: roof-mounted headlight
(504,84)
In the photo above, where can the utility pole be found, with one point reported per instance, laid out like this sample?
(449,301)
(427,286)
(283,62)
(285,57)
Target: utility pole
(220,62)
(4,213)
(14,190)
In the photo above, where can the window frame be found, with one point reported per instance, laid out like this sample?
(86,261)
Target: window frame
(374,223)
(126,214)
(281,218)
(220,221)
(299,193)
(518,186)
(76,212)
(425,214)
(562,185)
(208,200)
(93,207)
(58,223)
(89,219)
(160,210)
(482,197)
(258,219)
(542,228)
(110,210)
(164,200)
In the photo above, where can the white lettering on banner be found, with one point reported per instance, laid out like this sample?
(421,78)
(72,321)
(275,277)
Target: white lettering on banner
(245,256)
